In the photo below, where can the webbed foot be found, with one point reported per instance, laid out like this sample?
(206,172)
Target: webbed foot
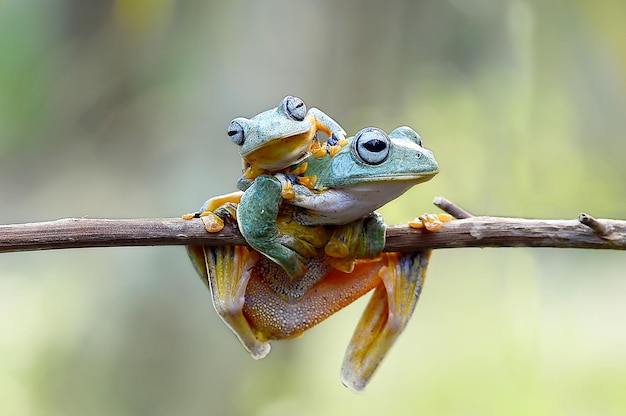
(227,271)
(431,222)
(363,239)
(212,222)
(385,316)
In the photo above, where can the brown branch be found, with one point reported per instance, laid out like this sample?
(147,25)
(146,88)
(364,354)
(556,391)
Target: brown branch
(588,232)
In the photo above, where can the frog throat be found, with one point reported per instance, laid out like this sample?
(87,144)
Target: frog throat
(272,156)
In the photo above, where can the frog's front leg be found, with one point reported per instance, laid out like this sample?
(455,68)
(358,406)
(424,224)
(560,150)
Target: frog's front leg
(336,134)
(257,214)
(227,271)
(385,316)
(287,191)
(212,222)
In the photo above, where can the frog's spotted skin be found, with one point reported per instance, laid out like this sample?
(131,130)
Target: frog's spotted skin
(374,169)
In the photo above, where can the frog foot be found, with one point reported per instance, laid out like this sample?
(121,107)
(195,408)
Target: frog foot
(228,270)
(345,265)
(250,172)
(336,248)
(319,150)
(335,146)
(364,238)
(308,181)
(387,314)
(333,150)
(212,223)
(300,169)
(332,147)
(287,191)
(431,222)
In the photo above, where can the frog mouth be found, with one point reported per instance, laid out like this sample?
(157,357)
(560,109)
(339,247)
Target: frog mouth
(418,177)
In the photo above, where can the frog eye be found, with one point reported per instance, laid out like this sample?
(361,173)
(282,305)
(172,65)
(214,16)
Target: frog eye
(371,146)
(295,108)
(236,133)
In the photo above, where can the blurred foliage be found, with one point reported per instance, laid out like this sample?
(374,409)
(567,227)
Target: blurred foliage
(118,108)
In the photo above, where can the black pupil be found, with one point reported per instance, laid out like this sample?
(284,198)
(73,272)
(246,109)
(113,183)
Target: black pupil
(232,132)
(375,145)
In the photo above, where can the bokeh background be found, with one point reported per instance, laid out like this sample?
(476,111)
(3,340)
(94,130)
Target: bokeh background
(118,108)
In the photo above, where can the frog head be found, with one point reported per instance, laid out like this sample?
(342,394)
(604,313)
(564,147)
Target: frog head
(372,170)
(377,158)
(276,138)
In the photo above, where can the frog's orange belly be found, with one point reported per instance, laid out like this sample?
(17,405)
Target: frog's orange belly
(272,316)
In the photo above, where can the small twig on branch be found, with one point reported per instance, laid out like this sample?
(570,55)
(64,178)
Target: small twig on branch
(451,208)
(468,232)
(602,228)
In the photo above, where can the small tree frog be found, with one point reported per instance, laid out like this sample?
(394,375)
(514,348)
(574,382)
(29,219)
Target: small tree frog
(274,140)
(280,137)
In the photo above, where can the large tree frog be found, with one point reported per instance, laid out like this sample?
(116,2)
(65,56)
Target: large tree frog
(272,141)
(260,302)
(372,170)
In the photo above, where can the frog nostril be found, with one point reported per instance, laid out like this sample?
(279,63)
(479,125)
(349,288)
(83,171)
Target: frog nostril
(418,155)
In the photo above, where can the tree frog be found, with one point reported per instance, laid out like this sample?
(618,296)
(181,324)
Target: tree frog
(373,169)
(283,136)
(274,140)
(260,302)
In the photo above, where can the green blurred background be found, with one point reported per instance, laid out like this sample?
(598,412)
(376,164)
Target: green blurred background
(118,108)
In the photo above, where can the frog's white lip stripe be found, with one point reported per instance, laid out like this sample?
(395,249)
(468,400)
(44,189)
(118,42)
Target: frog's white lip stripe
(386,178)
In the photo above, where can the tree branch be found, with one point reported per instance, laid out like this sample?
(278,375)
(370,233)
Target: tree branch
(470,231)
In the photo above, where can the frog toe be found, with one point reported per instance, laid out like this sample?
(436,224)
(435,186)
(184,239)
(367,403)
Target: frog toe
(212,223)
(336,248)
(431,222)
(308,181)
(287,191)
(333,150)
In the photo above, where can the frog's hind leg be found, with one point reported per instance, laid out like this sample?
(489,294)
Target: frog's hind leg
(385,316)
(227,270)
